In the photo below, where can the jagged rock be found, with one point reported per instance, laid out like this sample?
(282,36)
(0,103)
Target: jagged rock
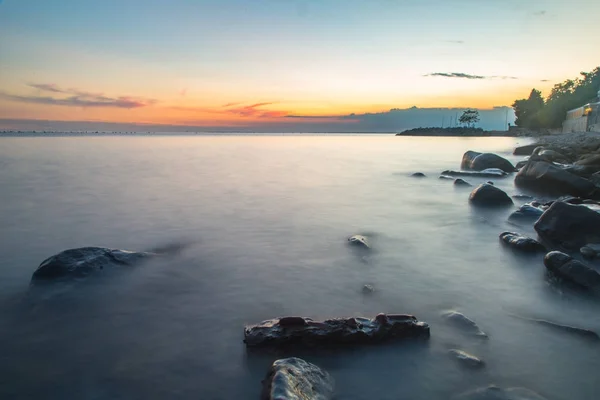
(461,182)
(526,150)
(522,243)
(466,359)
(546,177)
(473,160)
(460,320)
(569,226)
(84,261)
(486,173)
(302,331)
(418,175)
(489,195)
(590,251)
(296,379)
(359,241)
(566,267)
(493,392)
(527,211)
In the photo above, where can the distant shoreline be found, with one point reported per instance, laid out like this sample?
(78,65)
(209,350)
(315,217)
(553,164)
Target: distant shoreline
(460,132)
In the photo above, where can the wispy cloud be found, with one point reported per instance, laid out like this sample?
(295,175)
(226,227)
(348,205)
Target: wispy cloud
(540,13)
(455,41)
(544,80)
(462,75)
(254,110)
(76,98)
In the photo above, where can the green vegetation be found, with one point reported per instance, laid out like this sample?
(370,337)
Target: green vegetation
(535,113)
(469,118)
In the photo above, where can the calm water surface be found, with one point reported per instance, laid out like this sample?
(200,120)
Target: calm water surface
(266,219)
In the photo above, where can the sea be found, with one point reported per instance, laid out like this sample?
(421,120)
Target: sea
(262,223)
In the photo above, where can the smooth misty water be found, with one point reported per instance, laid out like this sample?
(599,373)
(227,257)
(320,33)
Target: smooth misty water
(267,219)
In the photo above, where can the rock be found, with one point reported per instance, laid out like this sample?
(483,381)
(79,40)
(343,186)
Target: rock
(486,173)
(595,178)
(522,197)
(473,160)
(569,269)
(446,177)
(466,359)
(546,177)
(590,159)
(583,171)
(521,164)
(590,251)
(461,182)
(552,156)
(296,379)
(418,175)
(342,331)
(526,150)
(584,333)
(569,226)
(522,243)
(368,289)
(359,241)
(84,261)
(489,195)
(493,392)
(460,320)
(527,211)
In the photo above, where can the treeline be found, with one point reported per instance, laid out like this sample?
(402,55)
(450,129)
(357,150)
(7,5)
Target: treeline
(535,112)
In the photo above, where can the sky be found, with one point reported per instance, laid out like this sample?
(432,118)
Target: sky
(293,65)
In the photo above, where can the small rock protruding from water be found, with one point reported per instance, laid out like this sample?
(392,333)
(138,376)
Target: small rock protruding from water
(590,251)
(479,161)
(461,182)
(296,379)
(494,392)
(418,175)
(521,243)
(368,289)
(359,241)
(461,321)
(528,211)
(489,195)
(466,359)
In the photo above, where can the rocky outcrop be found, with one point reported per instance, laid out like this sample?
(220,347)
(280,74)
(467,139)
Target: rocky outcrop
(526,150)
(489,195)
(545,177)
(461,182)
(473,160)
(300,331)
(359,241)
(521,243)
(493,392)
(569,226)
(418,175)
(528,211)
(83,261)
(296,379)
(569,269)
(466,359)
(463,322)
(486,173)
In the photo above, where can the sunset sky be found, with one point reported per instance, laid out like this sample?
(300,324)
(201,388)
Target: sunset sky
(241,63)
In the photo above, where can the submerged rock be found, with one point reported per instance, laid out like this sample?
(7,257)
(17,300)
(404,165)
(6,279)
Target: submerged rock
(359,241)
(527,211)
(584,333)
(466,359)
(84,261)
(461,182)
(486,173)
(296,379)
(569,226)
(522,243)
(460,320)
(569,269)
(489,195)
(546,177)
(590,251)
(480,161)
(418,175)
(302,331)
(493,392)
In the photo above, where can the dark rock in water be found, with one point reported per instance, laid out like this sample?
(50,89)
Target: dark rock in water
(447,177)
(566,267)
(461,182)
(468,158)
(522,243)
(493,392)
(569,226)
(584,333)
(359,241)
(491,160)
(466,359)
(368,289)
(489,195)
(521,164)
(296,379)
(418,175)
(342,331)
(486,173)
(590,251)
(527,211)
(526,150)
(546,177)
(84,261)
(460,320)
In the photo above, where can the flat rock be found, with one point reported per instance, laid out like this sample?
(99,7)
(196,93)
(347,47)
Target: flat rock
(462,321)
(359,241)
(569,269)
(493,392)
(546,177)
(296,379)
(489,195)
(300,331)
(569,226)
(486,173)
(83,261)
(521,243)
(466,359)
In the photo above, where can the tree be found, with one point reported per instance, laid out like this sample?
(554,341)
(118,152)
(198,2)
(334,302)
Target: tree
(527,110)
(469,118)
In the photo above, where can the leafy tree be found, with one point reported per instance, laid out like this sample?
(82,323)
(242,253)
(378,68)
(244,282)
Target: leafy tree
(469,118)
(527,110)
